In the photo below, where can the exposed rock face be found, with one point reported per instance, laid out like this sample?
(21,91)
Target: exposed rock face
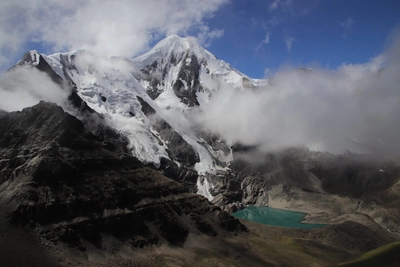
(179,149)
(189,75)
(69,186)
(187,82)
(149,73)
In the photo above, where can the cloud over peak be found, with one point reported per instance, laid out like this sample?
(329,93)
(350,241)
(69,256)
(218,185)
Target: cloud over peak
(122,28)
(354,107)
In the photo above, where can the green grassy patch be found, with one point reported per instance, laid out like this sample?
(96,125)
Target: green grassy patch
(387,255)
(285,249)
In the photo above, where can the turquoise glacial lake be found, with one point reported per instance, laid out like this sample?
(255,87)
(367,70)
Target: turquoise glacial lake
(276,217)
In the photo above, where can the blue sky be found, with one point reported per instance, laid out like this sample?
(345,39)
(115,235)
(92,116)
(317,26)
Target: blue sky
(257,37)
(324,33)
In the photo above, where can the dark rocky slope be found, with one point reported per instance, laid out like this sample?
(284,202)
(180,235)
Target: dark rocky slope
(67,185)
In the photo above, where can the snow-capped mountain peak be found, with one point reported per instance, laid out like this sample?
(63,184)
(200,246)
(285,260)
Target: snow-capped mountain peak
(148,98)
(175,45)
(179,67)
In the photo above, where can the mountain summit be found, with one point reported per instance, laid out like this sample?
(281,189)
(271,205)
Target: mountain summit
(191,72)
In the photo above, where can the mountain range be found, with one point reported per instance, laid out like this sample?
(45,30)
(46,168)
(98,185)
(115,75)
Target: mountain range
(128,147)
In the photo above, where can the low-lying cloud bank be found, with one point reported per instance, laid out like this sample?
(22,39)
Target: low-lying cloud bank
(356,108)
(25,86)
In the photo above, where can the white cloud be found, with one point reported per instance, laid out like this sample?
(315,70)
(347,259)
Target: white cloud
(206,36)
(264,42)
(352,108)
(289,42)
(347,25)
(268,73)
(285,5)
(274,5)
(266,39)
(287,9)
(122,28)
(25,86)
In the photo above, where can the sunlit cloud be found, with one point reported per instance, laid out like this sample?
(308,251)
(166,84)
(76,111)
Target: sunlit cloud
(354,108)
(123,28)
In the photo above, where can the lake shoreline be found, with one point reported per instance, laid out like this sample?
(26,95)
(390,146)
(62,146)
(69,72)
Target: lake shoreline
(277,217)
